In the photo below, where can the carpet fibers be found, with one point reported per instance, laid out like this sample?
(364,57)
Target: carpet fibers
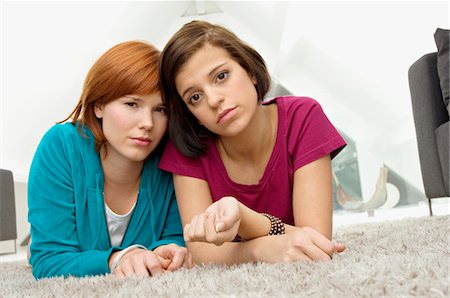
(407,257)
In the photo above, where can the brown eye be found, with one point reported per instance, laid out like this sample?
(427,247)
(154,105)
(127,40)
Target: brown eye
(194,98)
(161,110)
(222,75)
(131,104)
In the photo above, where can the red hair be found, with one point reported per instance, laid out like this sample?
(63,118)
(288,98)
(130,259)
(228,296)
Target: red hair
(130,67)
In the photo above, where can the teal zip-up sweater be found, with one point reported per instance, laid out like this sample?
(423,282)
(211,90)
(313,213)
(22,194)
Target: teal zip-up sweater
(66,207)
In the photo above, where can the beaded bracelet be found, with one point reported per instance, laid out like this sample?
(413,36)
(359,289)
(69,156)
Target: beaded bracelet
(276,225)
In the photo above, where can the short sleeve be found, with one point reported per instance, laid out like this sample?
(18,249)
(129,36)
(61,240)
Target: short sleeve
(311,134)
(173,161)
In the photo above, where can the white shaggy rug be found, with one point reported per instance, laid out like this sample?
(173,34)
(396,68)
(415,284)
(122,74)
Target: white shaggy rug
(408,257)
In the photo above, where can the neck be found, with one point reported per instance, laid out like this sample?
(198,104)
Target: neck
(122,180)
(256,140)
(120,172)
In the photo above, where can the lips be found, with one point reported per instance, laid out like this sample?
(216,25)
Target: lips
(226,115)
(142,141)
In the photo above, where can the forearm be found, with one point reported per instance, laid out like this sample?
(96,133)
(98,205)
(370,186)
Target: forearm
(229,253)
(111,259)
(253,224)
(51,264)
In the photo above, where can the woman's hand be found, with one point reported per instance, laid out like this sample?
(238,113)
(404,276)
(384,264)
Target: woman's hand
(218,224)
(303,243)
(141,262)
(177,256)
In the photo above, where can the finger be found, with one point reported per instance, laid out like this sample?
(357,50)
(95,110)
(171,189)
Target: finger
(187,260)
(134,264)
(177,260)
(314,253)
(225,222)
(165,263)
(119,273)
(200,228)
(126,269)
(192,228)
(161,250)
(190,262)
(313,244)
(322,242)
(210,228)
(218,238)
(218,223)
(140,269)
(303,256)
(186,230)
(339,247)
(153,265)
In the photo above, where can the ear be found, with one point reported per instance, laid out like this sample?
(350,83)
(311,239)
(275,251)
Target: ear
(254,81)
(98,111)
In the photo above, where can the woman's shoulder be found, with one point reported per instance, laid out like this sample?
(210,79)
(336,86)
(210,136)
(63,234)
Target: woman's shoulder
(175,162)
(175,155)
(58,132)
(295,107)
(64,130)
(67,135)
(291,101)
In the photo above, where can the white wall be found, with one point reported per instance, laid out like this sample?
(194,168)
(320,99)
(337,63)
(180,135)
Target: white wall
(351,56)
(47,49)
(354,58)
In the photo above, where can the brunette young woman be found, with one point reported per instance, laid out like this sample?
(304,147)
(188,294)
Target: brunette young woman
(252,175)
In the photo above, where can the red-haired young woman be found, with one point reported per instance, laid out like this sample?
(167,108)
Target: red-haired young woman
(97,201)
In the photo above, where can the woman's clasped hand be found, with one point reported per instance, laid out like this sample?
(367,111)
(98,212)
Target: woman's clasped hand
(164,258)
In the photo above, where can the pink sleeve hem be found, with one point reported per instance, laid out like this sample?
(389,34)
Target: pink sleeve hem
(333,146)
(185,171)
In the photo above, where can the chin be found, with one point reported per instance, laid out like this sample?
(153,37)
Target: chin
(232,130)
(139,157)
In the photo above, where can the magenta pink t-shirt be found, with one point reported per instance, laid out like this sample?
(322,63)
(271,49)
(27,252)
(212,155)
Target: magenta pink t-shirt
(304,135)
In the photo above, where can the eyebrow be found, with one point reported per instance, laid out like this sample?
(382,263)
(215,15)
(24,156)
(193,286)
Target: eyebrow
(209,74)
(133,97)
(159,104)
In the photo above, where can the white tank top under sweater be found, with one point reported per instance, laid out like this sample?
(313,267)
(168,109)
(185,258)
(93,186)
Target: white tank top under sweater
(117,224)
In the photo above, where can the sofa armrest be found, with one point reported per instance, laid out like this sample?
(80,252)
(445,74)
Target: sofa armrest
(429,113)
(8,227)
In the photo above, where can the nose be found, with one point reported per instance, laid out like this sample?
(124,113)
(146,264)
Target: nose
(146,121)
(215,99)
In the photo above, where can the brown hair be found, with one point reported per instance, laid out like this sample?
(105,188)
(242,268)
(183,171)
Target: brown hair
(131,67)
(186,133)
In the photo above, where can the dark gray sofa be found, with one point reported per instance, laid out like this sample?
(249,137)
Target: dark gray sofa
(8,227)
(431,121)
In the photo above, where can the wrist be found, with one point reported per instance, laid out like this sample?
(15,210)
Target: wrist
(276,225)
(288,228)
(112,256)
(258,248)
(120,254)
(253,224)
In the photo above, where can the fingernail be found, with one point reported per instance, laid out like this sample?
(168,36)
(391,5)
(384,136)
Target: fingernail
(219,227)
